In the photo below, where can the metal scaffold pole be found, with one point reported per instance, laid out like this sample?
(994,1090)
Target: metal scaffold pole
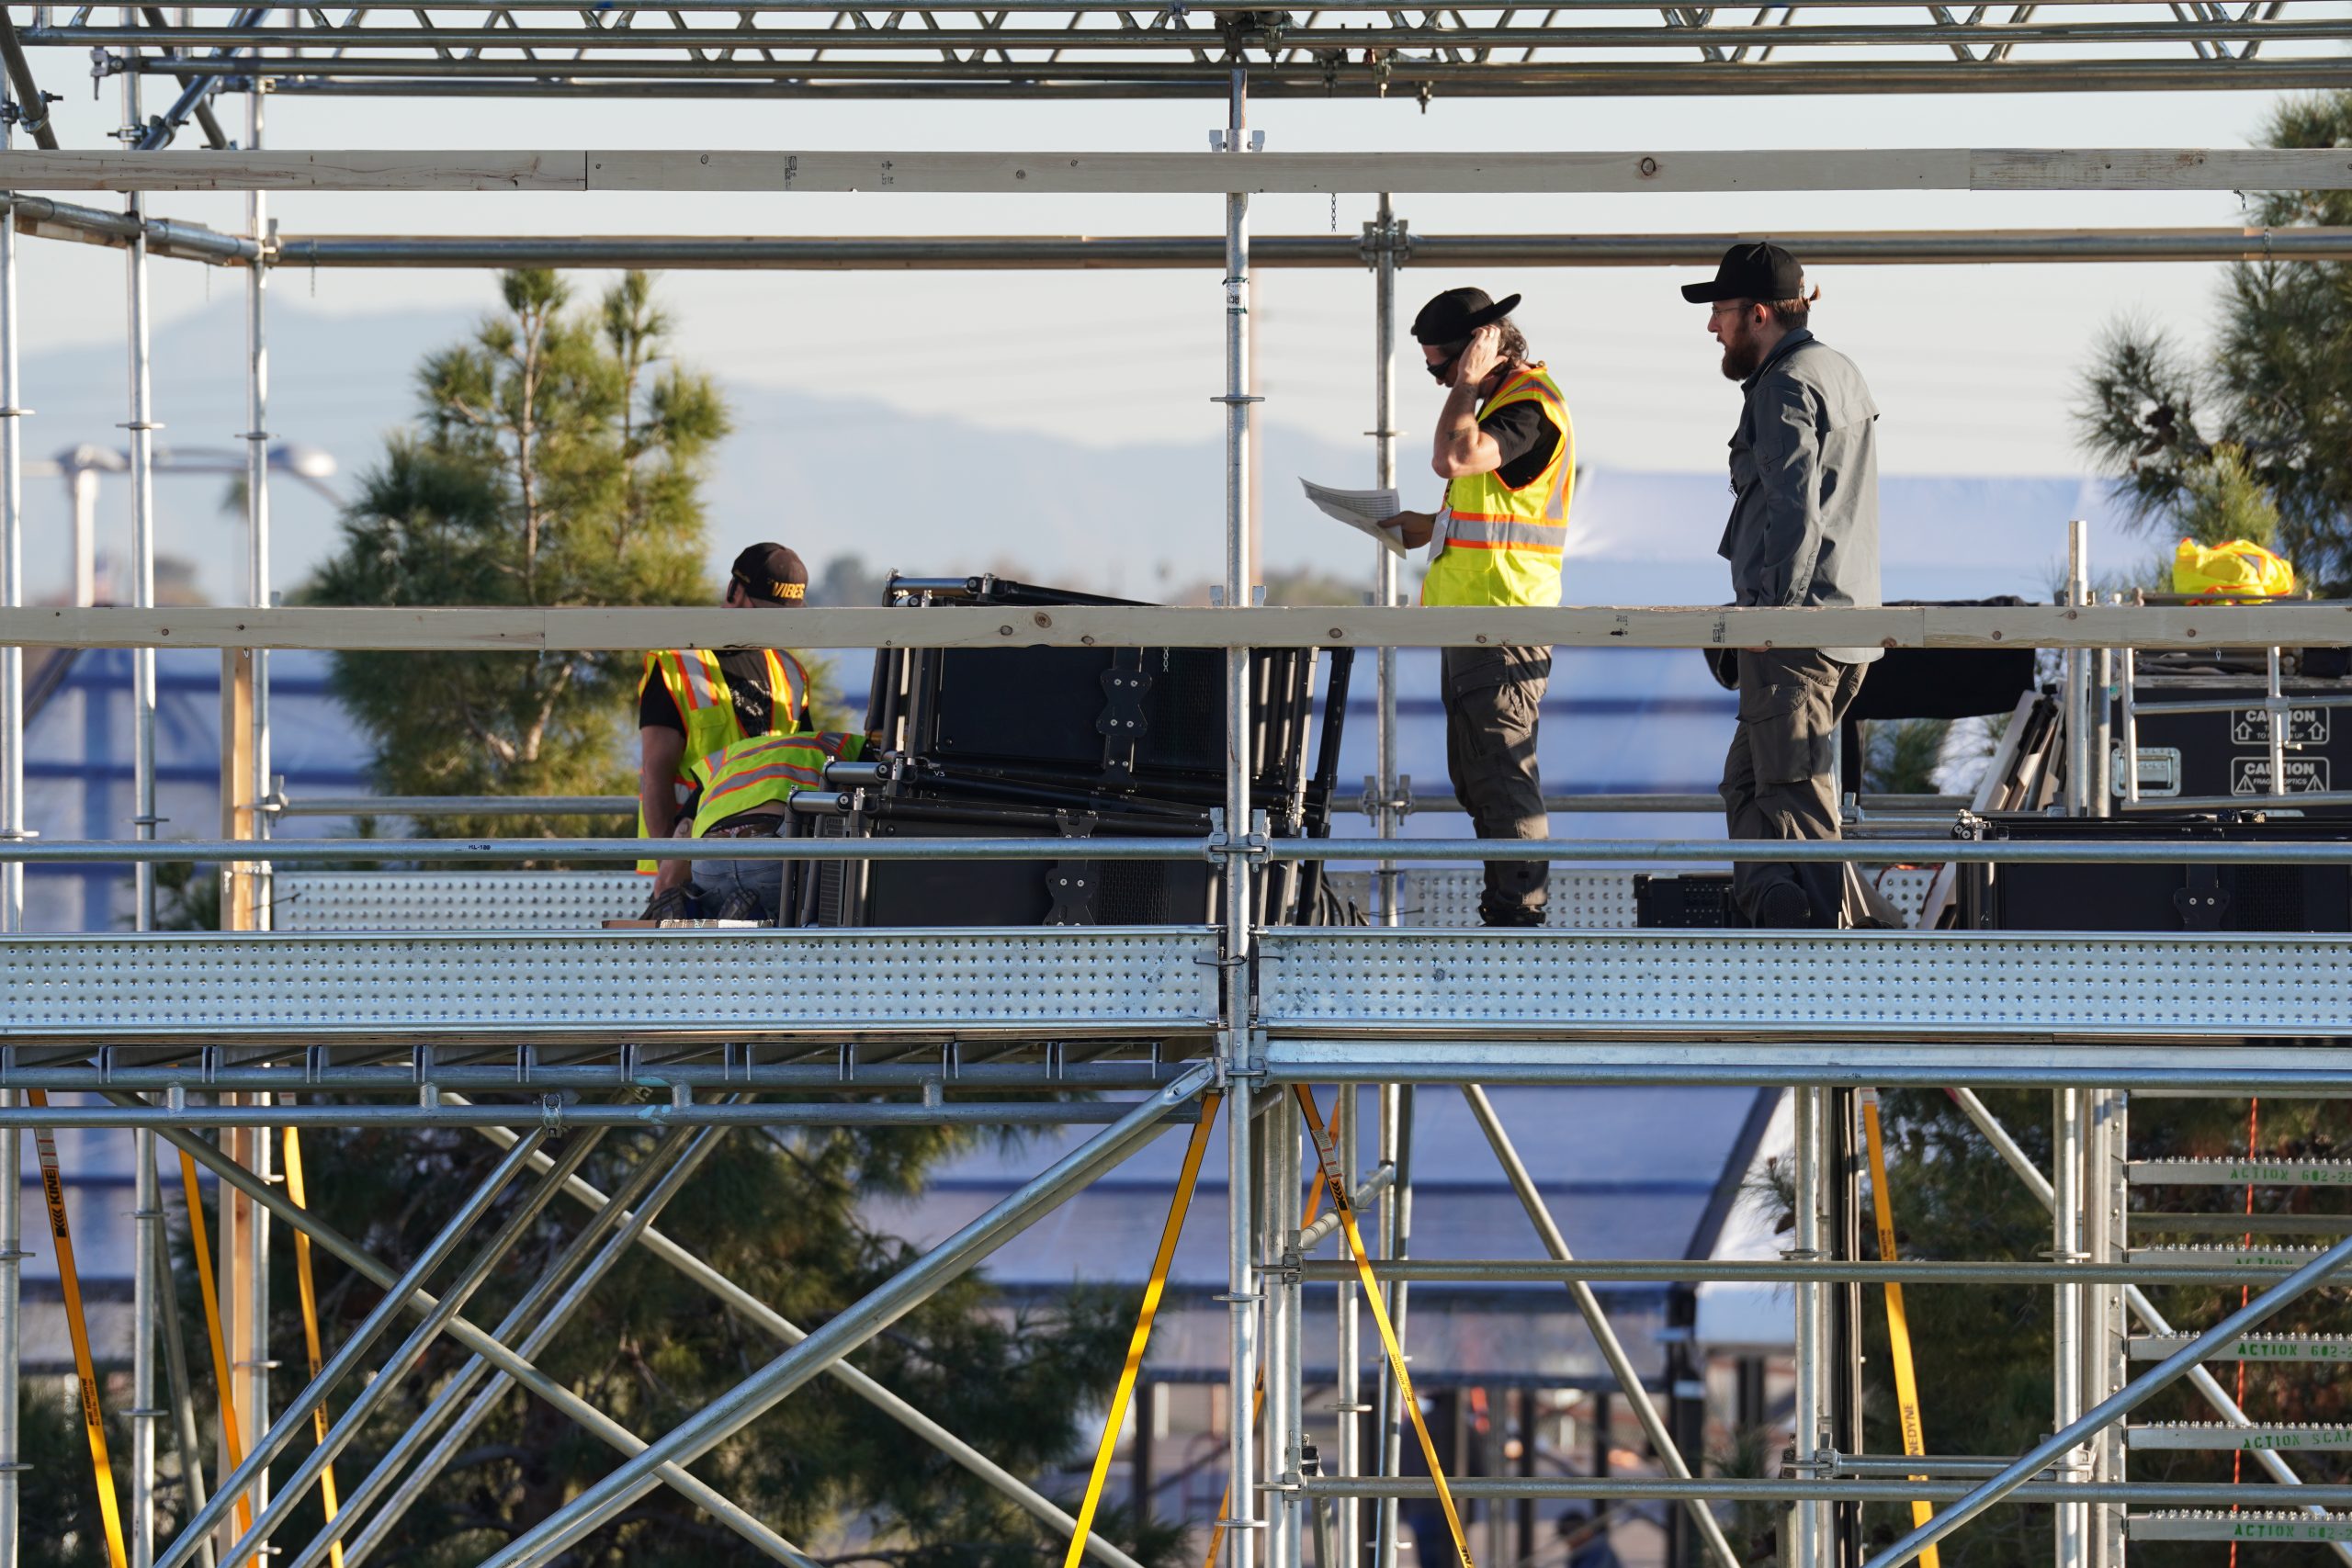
(11,1257)
(1812,1523)
(255,780)
(1388,817)
(1234,1050)
(142,428)
(1396,1242)
(2066,1247)
(1348,1406)
(12,573)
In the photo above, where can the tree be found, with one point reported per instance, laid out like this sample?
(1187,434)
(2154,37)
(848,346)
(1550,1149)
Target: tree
(2254,442)
(557,459)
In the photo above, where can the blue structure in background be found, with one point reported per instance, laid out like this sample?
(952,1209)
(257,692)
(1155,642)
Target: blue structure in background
(78,764)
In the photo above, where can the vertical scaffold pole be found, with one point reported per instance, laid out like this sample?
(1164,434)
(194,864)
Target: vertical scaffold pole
(1387,819)
(1811,1521)
(149,1206)
(1396,1242)
(2078,676)
(142,428)
(1233,1038)
(1348,1390)
(2067,1248)
(12,588)
(2102,1335)
(1286,1343)
(258,541)
(146,1292)
(12,1255)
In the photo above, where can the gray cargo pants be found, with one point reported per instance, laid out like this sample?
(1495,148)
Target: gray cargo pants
(1779,781)
(1493,699)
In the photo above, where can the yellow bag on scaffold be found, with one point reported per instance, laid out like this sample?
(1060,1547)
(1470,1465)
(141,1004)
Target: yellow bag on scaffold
(2238,569)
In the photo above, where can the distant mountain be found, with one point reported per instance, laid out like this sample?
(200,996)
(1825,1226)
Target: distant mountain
(840,476)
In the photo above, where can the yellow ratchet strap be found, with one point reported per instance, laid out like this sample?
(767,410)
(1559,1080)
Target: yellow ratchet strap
(1336,1179)
(1160,1263)
(1313,1206)
(1898,1322)
(291,1141)
(52,1187)
(200,1243)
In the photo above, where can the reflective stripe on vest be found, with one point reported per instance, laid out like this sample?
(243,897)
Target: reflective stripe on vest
(1503,545)
(770,768)
(705,703)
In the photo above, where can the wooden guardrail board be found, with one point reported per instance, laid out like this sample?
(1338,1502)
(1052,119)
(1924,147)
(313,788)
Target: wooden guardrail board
(2044,625)
(2152,168)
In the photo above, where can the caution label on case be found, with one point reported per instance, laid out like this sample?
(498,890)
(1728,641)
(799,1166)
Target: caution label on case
(2251,776)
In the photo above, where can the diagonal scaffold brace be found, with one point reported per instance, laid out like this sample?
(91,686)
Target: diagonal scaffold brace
(590,1419)
(768,1321)
(953,1258)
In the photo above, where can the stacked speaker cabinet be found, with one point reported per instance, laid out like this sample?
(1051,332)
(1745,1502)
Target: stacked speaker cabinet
(1073,743)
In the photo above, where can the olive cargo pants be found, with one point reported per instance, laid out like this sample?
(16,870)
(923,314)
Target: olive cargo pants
(1779,781)
(1493,699)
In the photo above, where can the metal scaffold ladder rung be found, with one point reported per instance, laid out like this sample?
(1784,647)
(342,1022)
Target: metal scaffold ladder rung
(2252,1348)
(2211,1436)
(2214,1525)
(2239,1172)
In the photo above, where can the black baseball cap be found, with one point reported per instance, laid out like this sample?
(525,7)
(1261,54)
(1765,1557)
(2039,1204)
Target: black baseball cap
(1761,270)
(1453,315)
(772,575)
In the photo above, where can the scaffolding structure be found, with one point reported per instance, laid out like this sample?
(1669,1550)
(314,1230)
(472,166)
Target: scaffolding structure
(177,1036)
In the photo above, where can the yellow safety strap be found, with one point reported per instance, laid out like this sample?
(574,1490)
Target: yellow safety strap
(1313,1206)
(1898,1324)
(291,1141)
(200,1243)
(78,1325)
(1160,1263)
(1336,1179)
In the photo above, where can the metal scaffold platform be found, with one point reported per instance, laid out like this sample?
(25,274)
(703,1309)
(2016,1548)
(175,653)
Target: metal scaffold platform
(353,1014)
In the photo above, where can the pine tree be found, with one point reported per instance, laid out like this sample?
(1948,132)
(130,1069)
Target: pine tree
(2257,440)
(557,459)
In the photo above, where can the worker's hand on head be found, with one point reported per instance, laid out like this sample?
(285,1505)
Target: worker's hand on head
(1478,361)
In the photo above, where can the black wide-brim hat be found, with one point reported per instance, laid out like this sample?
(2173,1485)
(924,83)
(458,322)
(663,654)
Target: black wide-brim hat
(1759,270)
(1453,315)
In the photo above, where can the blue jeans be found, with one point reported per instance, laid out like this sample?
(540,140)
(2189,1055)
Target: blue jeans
(720,879)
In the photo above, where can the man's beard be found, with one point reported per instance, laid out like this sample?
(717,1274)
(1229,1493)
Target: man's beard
(1741,358)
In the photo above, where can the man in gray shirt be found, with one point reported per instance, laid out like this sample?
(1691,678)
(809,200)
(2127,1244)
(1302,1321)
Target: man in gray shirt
(1804,531)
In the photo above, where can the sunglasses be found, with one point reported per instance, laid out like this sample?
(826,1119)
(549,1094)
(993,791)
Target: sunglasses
(1443,369)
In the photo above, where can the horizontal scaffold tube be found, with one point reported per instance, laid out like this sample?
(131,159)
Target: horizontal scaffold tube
(1780,1271)
(527,1077)
(556,1116)
(1732,1489)
(2305,624)
(1168,252)
(1682,852)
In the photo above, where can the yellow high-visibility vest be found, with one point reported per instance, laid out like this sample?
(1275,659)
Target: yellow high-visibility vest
(707,704)
(767,768)
(1503,545)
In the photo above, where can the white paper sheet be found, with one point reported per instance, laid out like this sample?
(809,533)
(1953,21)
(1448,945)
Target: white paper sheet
(1366,510)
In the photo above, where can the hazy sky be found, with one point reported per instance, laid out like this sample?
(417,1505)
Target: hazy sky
(1973,366)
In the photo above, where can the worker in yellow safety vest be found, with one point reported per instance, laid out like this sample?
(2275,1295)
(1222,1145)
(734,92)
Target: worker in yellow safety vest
(693,703)
(1507,453)
(741,792)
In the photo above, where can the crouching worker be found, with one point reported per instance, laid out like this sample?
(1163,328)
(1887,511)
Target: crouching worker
(741,792)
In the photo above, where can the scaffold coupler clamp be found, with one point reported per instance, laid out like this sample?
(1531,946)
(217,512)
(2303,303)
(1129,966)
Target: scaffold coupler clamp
(1251,846)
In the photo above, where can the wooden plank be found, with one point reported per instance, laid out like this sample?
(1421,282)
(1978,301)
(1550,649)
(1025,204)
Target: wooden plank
(2229,168)
(1065,172)
(523,630)
(239,880)
(1310,173)
(355,170)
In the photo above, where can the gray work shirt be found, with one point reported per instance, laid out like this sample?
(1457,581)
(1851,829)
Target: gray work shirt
(1803,528)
